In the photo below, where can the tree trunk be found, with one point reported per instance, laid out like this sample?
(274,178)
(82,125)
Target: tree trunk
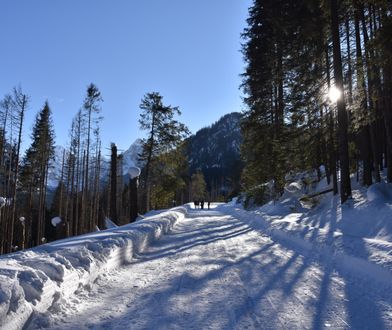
(370,84)
(113,184)
(364,132)
(345,184)
(133,205)
(16,175)
(331,130)
(349,67)
(148,163)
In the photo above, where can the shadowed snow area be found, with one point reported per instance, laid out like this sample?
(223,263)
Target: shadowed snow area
(227,268)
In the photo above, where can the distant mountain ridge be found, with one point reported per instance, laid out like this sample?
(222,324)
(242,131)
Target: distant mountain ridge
(214,145)
(215,150)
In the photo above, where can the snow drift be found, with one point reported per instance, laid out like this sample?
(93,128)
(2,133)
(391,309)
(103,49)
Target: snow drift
(35,279)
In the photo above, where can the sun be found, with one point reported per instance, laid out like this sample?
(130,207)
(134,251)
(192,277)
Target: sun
(334,94)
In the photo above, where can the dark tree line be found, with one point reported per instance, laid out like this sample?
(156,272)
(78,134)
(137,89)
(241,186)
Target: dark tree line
(13,108)
(26,212)
(87,192)
(79,187)
(299,52)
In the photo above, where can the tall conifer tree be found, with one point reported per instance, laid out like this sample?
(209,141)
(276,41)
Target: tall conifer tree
(36,166)
(164,134)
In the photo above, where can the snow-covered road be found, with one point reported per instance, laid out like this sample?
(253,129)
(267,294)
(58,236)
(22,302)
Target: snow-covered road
(214,271)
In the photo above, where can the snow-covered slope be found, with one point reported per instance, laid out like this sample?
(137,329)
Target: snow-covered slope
(216,146)
(361,228)
(215,150)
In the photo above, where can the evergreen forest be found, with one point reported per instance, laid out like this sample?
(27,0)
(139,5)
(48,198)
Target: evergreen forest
(318,92)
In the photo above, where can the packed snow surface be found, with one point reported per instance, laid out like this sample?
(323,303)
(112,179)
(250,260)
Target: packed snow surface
(280,266)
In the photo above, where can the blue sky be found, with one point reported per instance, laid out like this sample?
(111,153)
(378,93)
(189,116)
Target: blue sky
(188,50)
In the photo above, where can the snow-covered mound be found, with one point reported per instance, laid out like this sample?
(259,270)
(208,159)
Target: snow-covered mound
(37,279)
(380,191)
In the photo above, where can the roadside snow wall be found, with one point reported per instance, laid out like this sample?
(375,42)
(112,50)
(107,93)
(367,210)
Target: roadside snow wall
(33,280)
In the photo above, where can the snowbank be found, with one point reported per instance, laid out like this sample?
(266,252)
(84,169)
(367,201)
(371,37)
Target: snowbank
(356,235)
(361,257)
(35,279)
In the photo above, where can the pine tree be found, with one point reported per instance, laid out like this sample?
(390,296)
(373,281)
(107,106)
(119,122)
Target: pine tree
(92,109)
(35,169)
(113,184)
(282,47)
(169,178)
(345,184)
(198,186)
(292,44)
(164,134)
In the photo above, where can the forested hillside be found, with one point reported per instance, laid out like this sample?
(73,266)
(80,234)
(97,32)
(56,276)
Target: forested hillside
(215,150)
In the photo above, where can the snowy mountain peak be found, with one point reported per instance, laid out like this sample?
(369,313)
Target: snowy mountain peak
(131,156)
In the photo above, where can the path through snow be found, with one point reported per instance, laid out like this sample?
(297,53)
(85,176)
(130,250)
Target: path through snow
(214,271)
